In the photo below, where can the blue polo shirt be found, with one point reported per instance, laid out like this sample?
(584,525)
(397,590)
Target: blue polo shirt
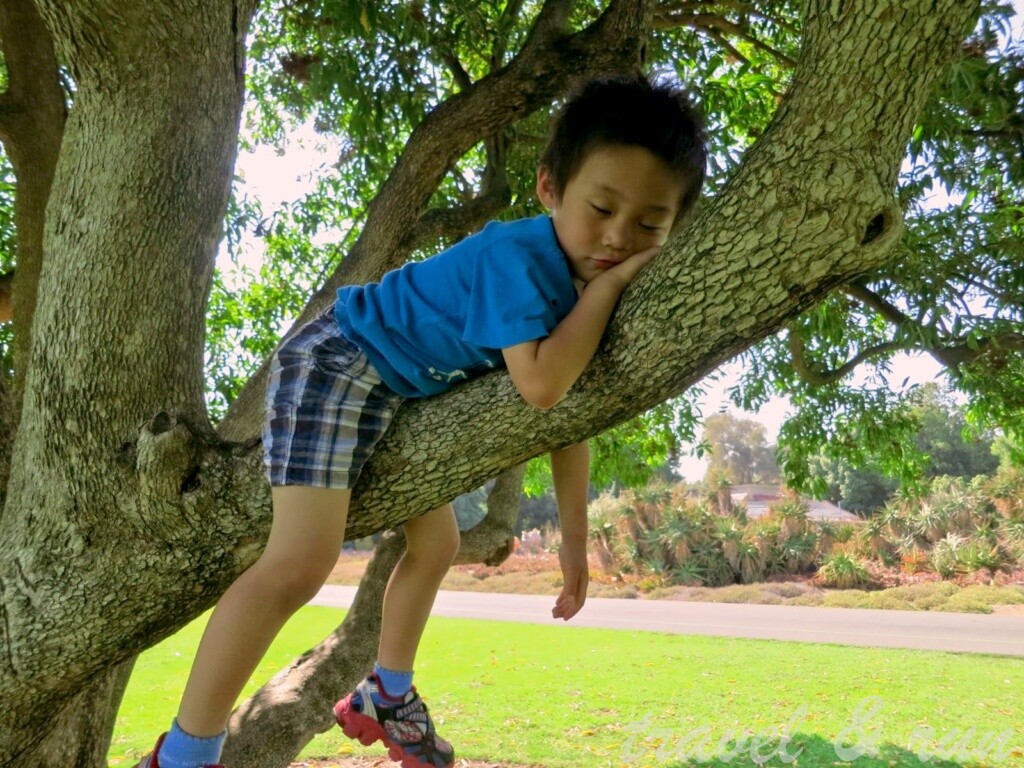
(436,322)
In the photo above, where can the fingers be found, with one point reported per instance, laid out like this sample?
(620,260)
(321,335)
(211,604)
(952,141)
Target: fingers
(631,267)
(571,599)
(646,256)
(566,607)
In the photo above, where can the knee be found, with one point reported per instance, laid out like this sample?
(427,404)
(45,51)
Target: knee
(436,551)
(293,582)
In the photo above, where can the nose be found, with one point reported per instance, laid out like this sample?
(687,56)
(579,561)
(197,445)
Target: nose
(617,235)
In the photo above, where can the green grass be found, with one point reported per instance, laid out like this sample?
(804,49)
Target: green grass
(565,697)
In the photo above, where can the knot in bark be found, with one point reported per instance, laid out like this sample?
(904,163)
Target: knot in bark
(167,458)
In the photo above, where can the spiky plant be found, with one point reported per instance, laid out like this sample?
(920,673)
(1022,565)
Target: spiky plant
(932,522)
(800,551)
(843,571)
(791,514)
(945,556)
(977,554)
(731,537)
(749,567)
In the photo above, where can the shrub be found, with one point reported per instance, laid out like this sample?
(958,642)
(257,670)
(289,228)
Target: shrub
(843,572)
(979,554)
(945,556)
(914,560)
(843,532)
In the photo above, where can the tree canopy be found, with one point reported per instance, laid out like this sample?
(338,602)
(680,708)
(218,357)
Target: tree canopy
(955,291)
(366,75)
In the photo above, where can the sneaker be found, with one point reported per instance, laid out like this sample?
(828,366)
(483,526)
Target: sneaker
(150,760)
(405,728)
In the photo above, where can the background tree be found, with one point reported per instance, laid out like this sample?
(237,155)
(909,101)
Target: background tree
(116,480)
(945,442)
(738,450)
(946,439)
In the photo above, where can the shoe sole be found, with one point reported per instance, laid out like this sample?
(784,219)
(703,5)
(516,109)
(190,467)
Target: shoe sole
(368,731)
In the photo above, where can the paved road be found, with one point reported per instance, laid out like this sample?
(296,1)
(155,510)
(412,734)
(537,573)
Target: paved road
(931,630)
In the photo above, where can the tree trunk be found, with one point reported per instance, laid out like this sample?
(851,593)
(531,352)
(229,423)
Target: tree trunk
(270,728)
(6,297)
(133,220)
(79,737)
(32,115)
(107,551)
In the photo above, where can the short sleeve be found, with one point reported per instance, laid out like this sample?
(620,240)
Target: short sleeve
(510,300)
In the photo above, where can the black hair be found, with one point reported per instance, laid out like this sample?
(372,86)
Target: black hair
(629,110)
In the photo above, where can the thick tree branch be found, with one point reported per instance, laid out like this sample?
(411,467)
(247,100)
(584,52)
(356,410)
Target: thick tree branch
(451,223)
(7,430)
(548,63)
(7,114)
(733,51)
(131,227)
(459,73)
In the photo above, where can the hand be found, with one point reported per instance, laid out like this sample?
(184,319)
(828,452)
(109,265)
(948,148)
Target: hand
(575,577)
(630,267)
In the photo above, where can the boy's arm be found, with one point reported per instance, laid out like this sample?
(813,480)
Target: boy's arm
(570,468)
(543,370)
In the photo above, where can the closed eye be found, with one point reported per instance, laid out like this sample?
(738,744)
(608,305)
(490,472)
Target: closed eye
(650,227)
(600,210)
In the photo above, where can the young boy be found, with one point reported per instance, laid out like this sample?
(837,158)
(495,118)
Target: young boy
(624,163)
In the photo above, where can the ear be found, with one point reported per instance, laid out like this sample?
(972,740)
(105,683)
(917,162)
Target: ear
(546,192)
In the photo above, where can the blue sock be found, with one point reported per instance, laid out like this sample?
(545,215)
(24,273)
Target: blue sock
(183,750)
(396,684)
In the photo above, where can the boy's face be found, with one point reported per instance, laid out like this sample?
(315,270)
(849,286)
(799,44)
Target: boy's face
(622,200)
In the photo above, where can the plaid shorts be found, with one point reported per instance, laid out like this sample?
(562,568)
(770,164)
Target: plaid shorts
(326,408)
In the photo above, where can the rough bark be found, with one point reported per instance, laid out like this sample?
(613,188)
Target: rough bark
(102,558)
(271,728)
(32,115)
(492,540)
(80,735)
(133,219)
(548,63)
(6,297)
(6,436)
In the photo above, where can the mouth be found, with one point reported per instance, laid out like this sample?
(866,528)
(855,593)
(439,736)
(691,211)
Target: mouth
(604,263)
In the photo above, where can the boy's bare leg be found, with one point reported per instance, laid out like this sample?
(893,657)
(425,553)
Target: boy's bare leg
(432,541)
(305,540)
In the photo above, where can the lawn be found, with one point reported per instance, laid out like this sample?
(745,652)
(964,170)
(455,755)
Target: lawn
(562,696)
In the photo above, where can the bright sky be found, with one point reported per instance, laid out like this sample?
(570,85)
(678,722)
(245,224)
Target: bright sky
(277,178)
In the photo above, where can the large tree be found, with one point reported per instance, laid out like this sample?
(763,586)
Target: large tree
(126,513)
(739,451)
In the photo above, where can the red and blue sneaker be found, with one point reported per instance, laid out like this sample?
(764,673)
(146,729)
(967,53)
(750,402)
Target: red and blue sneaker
(403,724)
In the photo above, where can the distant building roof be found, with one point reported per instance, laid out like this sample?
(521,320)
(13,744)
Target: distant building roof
(757,498)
